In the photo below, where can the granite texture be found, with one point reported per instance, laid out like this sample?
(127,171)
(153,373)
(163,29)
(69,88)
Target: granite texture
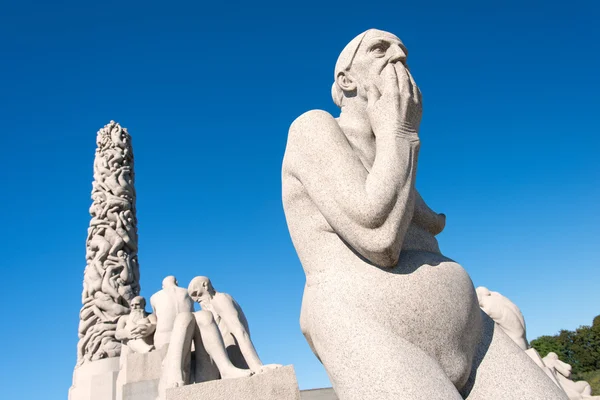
(143,390)
(579,390)
(387,314)
(505,313)
(277,384)
(499,356)
(111,277)
(166,304)
(509,318)
(95,380)
(219,323)
(318,394)
(135,330)
(137,367)
(232,324)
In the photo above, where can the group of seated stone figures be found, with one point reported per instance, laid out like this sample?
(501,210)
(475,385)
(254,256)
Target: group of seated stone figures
(386,313)
(218,334)
(508,317)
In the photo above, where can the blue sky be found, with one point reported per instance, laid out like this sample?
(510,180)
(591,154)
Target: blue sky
(510,143)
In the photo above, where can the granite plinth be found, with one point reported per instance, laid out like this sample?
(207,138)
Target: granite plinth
(95,380)
(277,384)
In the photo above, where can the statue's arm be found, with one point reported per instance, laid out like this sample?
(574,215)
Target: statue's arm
(121,333)
(370,210)
(226,308)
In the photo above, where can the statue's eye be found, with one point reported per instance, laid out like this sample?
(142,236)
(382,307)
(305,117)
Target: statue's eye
(379,49)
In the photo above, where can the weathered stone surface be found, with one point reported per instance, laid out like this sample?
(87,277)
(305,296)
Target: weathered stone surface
(166,304)
(136,367)
(277,384)
(318,394)
(144,390)
(219,325)
(388,315)
(95,380)
(111,277)
(505,313)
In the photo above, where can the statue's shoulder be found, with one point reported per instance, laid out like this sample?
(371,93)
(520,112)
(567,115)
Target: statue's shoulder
(310,134)
(311,122)
(313,131)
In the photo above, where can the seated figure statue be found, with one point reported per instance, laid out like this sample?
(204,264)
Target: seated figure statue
(387,314)
(167,303)
(232,324)
(211,359)
(136,328)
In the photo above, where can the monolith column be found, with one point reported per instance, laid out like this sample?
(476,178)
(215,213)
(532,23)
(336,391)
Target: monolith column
(111,275)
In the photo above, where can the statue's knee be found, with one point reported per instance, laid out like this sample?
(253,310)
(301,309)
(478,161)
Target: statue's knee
(204,318)
(183,320)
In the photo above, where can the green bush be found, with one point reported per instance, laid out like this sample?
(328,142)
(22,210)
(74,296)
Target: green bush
(592,377)
(579,348)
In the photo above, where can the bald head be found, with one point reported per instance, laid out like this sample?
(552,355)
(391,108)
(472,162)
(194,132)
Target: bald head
(200,287)
(346,59)
(138,303)
(169,281)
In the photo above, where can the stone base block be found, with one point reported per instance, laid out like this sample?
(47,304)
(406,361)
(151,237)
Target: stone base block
(318,394)
(277,384)
(138,373)
(96,380)
(144,390)
(137,367)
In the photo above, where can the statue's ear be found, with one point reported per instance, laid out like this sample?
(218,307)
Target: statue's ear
(345,81)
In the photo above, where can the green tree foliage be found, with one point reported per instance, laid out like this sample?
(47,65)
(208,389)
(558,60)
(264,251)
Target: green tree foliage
(549,344)
(579,348)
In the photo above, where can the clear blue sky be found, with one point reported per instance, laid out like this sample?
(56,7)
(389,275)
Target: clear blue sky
(510,144)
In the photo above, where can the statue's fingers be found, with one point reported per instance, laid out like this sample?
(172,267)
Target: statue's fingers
(391,81)
(404,86)
(416,92)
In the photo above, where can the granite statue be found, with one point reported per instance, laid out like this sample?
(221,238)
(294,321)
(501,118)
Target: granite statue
(386,313)
(232,324)
(166,304)
(111,277)
(579,390)
(509,318)
(135,329)
(505,313)
(198,331)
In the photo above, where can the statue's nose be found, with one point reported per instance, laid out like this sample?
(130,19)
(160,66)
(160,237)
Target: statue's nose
(397,54)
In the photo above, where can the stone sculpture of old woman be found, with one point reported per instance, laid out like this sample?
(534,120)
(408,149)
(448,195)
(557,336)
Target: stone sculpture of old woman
(387,314)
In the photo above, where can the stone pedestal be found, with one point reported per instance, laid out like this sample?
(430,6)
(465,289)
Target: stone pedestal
(278,384)
(96,380)
(139,375)
(318,394)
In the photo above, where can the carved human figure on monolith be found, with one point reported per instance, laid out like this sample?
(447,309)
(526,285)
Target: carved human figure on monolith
(387,314)
(135,329)
(111,277)
(232,324)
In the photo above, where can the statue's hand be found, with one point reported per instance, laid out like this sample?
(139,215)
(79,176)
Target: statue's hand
(141,331)
(398,110)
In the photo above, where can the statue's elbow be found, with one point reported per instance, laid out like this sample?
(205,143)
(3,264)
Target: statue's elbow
(383,253)
(240,333)
(388,259)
